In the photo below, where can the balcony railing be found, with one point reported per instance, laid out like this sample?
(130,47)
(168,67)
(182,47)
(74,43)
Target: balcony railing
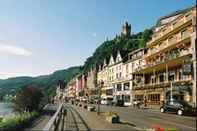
(159,84)
(166,58)
(177,23)
(168,43)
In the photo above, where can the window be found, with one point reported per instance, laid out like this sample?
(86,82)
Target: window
(153,79)
(139,97)
(185,33)
(154,97)
(127,68)
(109,92)
(127,98)
(161,78)
(118,97)
(133,65)
(171,75)
(116,75)
(120,75)
(126,86)
(182,76)
(140,62)
(130,57)
(119,87)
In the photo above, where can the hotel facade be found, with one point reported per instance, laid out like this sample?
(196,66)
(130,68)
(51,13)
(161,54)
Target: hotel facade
(170,69)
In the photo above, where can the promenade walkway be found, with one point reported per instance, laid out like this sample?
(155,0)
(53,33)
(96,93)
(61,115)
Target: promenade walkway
(78,119)
(39,123)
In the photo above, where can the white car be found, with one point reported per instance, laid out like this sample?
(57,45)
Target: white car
(104,102)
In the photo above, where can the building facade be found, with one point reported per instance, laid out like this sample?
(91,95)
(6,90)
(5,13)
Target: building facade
(135,62)
(91,84)
(164,70)
(102,76)
(121,83)
(168,72)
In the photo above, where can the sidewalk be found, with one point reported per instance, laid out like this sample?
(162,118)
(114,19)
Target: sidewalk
(95,122)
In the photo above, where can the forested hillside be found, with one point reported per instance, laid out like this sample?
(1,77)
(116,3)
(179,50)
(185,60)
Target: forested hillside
(48,82)
(122,43)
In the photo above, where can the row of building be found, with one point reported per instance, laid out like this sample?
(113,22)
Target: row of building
(165,69)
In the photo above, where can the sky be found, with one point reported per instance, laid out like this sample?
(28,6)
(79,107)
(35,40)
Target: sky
(38,37)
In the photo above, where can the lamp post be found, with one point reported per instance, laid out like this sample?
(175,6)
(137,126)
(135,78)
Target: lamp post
(100,85)
(171,85)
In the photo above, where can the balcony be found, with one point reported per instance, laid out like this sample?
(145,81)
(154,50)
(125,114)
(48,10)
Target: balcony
(151,85)
(170,27)
(168,57)
(161,84)
(170,43)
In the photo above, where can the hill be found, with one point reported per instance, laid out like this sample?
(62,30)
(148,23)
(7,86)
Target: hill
(48,82)
(119,43)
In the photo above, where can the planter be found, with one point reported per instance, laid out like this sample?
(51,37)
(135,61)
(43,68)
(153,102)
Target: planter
(91,108)
(113,119)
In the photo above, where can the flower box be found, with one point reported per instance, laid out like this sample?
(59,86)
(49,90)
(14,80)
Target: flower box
(112,117)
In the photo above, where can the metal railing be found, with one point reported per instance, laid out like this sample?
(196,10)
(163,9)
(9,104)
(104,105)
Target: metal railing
(53,123)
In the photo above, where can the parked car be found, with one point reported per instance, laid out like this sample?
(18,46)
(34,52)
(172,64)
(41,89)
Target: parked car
(118,103)
(176,106)
(137,103)
(107,101)
(104,102)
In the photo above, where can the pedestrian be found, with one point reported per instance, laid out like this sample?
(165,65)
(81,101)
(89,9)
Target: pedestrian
(134,103)
(138,105)
(145,102)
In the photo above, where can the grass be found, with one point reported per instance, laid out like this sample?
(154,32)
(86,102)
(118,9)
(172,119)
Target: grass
(18,121)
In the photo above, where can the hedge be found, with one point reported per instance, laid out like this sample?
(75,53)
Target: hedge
(17,122)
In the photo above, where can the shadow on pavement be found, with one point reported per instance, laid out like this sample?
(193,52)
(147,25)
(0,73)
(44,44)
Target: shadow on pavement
(85,124)
(127,123)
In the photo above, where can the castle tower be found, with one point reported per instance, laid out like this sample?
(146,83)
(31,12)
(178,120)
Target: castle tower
(126,29)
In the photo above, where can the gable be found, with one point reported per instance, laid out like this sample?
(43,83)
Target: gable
(111,62)
(118,58)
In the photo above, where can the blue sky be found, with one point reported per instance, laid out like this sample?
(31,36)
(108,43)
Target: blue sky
(40,36)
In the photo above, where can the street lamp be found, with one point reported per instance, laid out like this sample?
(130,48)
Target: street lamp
(100,85)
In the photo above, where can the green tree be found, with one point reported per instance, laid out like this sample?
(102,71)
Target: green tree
(28,99)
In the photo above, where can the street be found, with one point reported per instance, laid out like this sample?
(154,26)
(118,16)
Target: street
(79,118)
(143,118)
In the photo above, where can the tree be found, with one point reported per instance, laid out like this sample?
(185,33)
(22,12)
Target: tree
(28,99)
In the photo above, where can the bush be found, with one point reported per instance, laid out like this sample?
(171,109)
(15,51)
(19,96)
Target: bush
(17,122)
(28,99)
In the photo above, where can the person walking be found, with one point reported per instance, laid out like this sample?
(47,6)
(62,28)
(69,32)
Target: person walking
(145,102)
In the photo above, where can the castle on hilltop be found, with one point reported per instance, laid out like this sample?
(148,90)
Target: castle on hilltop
(126,29)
